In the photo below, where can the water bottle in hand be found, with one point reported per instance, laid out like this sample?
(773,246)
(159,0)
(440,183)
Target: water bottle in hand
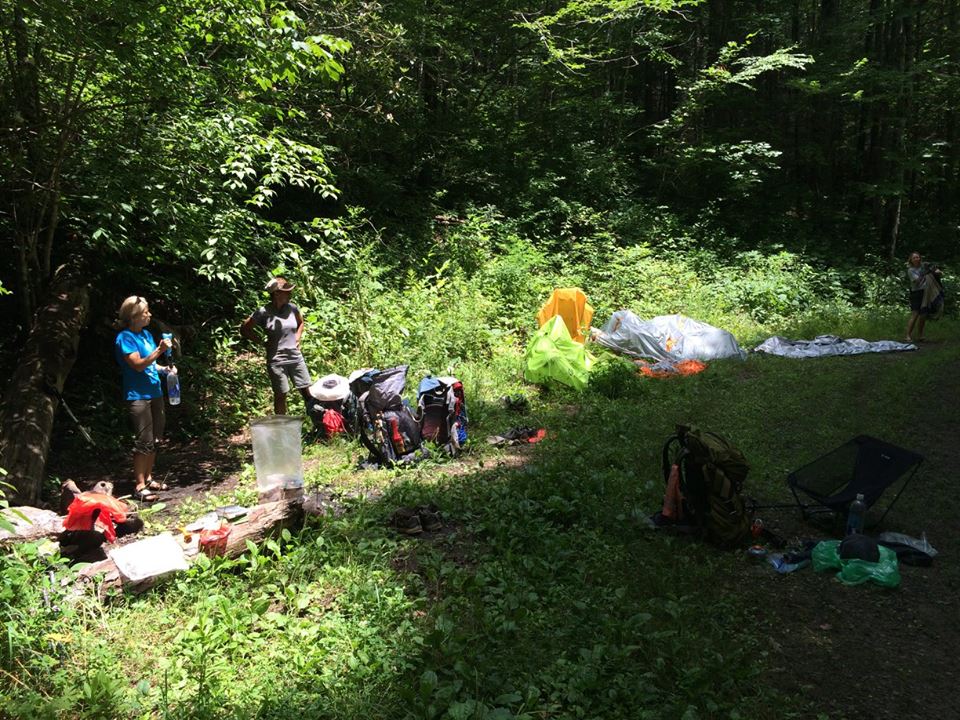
(173,380)
(173,388)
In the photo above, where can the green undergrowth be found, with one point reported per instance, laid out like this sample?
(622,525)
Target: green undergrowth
(545,595)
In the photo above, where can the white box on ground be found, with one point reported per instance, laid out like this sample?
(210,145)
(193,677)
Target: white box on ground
(149,558)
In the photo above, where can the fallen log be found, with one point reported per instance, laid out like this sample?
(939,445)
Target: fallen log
(30,403)
(262,522)
(30,524)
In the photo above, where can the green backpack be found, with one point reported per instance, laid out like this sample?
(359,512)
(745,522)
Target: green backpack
(712,472)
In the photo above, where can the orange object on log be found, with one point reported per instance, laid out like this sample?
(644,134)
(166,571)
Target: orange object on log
(684,367)
(81,511)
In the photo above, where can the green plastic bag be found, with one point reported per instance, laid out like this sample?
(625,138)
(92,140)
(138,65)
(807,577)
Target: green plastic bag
(853,571)
(553,355)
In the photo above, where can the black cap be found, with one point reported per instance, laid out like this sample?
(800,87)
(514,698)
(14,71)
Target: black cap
(861,547)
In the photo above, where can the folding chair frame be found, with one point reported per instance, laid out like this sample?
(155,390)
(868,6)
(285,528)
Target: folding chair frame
(821,507)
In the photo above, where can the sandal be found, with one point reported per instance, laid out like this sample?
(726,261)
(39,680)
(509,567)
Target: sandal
(145,495)
(158,486)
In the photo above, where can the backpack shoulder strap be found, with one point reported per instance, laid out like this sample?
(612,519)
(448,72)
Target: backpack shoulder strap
(666,461)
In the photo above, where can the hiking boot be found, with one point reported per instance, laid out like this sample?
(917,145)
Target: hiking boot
(407,521)
(430,518)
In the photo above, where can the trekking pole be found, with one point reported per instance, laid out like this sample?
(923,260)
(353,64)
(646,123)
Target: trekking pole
(52,390)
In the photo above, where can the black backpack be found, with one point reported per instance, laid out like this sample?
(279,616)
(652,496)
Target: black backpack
(442,412)
(387,427)
(346,410)
(712,473)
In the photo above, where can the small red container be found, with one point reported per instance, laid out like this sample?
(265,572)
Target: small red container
(214,542)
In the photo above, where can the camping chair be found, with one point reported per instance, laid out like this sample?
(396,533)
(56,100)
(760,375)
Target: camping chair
(862,465)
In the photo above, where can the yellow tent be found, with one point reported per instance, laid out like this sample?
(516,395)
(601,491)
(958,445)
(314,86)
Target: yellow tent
(570,304)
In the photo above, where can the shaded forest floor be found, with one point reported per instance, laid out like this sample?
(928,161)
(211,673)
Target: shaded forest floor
(863,651)
(847,652)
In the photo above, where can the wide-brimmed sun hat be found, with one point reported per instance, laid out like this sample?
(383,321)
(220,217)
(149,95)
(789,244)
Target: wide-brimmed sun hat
(329,388)
(279,284)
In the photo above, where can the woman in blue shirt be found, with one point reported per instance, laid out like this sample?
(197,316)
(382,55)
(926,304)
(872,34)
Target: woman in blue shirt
(137,353)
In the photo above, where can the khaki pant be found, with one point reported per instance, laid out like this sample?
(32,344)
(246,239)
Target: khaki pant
(148,419)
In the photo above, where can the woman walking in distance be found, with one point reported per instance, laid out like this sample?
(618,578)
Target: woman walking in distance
(917,273)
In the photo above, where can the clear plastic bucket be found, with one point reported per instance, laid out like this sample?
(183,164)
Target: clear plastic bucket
(277,452)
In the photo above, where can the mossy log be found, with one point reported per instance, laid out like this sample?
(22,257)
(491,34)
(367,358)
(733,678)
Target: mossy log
(31,400)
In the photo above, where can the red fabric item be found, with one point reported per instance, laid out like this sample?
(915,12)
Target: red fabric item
(395,436)
(80,513)
(333,423)
(214,542)
(672,506)
(537,436)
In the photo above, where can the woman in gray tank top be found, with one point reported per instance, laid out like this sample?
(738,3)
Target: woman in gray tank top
(283,326)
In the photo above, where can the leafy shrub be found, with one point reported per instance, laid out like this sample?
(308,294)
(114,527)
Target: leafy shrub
(517,279)
(616,378)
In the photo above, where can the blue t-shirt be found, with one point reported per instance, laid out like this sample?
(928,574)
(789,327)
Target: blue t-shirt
(144,385)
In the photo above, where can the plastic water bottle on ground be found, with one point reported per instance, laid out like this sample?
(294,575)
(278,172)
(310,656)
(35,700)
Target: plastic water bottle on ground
(856,515)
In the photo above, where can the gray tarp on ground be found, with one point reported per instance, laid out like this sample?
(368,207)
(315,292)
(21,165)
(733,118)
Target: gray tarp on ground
(826,346)
(688,339)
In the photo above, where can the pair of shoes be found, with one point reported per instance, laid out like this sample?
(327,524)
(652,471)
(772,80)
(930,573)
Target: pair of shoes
(430,518)
(413,521)
(146,495)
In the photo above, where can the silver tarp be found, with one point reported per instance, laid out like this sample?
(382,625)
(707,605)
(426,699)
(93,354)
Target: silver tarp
(686,338)
(827,345)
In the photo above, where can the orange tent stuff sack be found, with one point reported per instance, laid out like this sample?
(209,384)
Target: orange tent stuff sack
(570,304)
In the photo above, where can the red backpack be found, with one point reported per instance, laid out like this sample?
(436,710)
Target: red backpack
(442,412)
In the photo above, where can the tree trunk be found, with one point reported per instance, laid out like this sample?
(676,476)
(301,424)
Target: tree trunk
(29,407)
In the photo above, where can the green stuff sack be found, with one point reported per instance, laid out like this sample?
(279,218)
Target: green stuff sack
(553,355)
(853,571)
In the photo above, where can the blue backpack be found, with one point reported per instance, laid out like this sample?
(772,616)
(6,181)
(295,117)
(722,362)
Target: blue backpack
(442,412)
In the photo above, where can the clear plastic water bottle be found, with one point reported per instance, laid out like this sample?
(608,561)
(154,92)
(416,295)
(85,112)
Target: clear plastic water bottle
(856,515)
(173,389)
(173,380)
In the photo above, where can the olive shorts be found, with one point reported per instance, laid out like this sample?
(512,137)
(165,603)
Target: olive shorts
(148,420)
(282,374)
